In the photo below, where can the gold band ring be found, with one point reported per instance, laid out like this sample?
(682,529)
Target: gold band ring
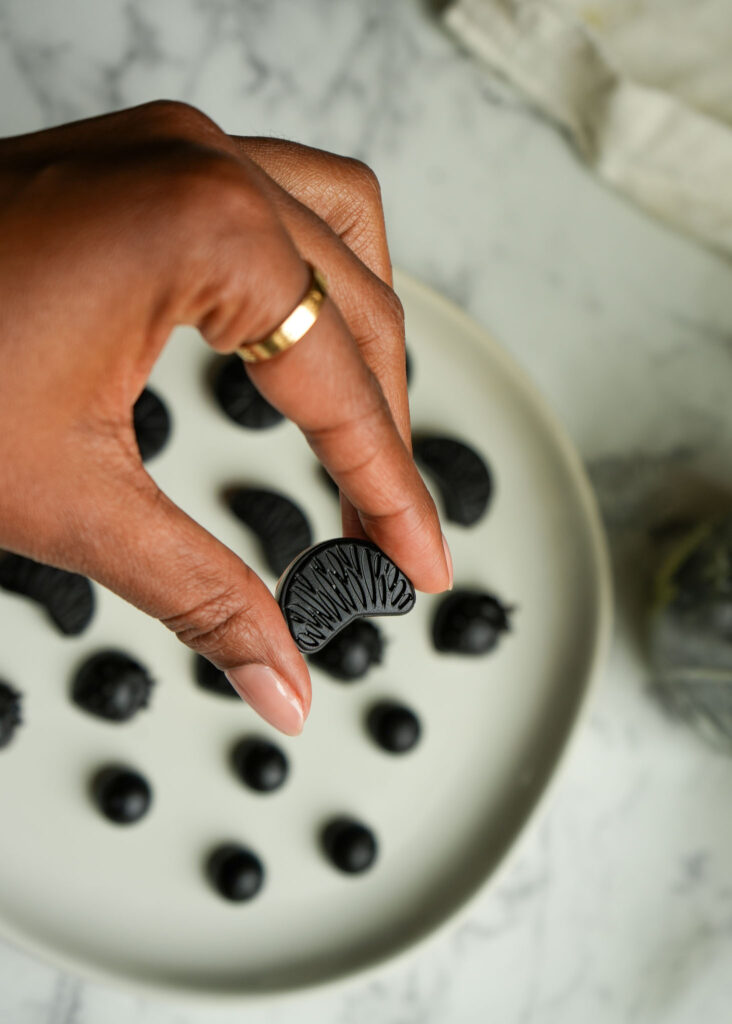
(293,328)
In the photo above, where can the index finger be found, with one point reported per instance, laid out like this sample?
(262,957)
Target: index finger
(325,387)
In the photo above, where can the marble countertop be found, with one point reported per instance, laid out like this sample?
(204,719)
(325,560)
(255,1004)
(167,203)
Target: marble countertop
(617,904)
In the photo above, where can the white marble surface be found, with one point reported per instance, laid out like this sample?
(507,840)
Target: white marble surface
(617,904)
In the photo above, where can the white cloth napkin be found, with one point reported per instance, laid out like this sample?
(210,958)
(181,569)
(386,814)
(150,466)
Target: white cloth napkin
(643,87)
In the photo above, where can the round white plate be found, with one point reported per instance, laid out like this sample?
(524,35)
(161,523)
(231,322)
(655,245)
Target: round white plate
(133,904)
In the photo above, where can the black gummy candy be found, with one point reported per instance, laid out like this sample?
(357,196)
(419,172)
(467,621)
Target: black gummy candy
(260,764)
(121,794)
(394,727)
(67,597)
(461,475)
(351,652)
(112,685)
(212,679)
(239,398)
(470,622)
(335,582)
(10,717)
(409,366)
(281,526)
(350,846)
(235,872)
(151,420)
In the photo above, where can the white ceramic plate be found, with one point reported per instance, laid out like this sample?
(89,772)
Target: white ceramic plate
(132,904)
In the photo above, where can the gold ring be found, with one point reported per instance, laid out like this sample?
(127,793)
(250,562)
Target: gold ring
(293,328)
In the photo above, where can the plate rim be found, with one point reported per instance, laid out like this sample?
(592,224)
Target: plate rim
(598,649)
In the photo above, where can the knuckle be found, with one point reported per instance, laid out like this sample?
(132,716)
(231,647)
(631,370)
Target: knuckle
(174,117)
(361,180)
(212,623)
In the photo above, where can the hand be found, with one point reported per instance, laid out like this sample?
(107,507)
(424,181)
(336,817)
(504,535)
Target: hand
(116,229)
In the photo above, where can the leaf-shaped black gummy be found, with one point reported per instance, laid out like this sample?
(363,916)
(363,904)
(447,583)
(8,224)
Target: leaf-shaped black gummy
(335,582)
(67,597)
(461,474)
(280,524)
(470,622)
(213,679)
(239,398)
(151,420)
(9,713)
(112,685)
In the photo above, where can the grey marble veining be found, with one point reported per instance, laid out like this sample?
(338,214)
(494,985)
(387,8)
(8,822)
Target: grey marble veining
(617,904)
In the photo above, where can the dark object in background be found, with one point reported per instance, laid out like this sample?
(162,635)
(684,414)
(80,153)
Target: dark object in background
(335,582)
(329,481)
(239,398)
(212,679)
(112,685)
(151,420)
(395,727)
(461,475)
(280,525)
(121,794)
(261,765)
(235,872)
(67,597)
(10,717)
(351,652)
(409,366)
(350,845)
(469,622)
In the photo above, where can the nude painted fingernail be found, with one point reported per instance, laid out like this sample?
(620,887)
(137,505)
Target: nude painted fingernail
(270,696)
(448,559)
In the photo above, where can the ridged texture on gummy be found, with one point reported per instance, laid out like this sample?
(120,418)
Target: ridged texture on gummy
(460,473)
(280,525)
(67,597)
(151,420)
(112,685)
(239,398)
(336,582)
(10,717)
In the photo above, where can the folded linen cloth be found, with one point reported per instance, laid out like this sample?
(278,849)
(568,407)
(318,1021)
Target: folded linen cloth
(643,88)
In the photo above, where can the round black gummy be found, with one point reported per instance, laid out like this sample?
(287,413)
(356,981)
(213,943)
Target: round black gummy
(394,727)
(235,872)
(239,398)
(10,717)
(460,473)
(151,420)
(67,597)
(211,678)
(335,582)
(112,685)
(470,622)
(280,525)
(351,652)
(260,764)
(350,846)
(121,794)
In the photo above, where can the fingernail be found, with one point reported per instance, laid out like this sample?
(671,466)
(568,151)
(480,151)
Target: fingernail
(270,696)
(448,559)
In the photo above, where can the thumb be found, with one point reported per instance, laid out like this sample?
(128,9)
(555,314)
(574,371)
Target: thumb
(155,556)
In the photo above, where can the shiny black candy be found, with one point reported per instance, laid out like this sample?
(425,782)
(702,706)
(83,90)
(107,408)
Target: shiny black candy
(151,420)
(122,794)
(394,727)
(235,872)
(335,582)
(351,652)
(212,679)
(349,845)
(261,765)
(461,475)
(470,622)
(67,597)
(112,685)
(281,525)
(239,398)
(10,717)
